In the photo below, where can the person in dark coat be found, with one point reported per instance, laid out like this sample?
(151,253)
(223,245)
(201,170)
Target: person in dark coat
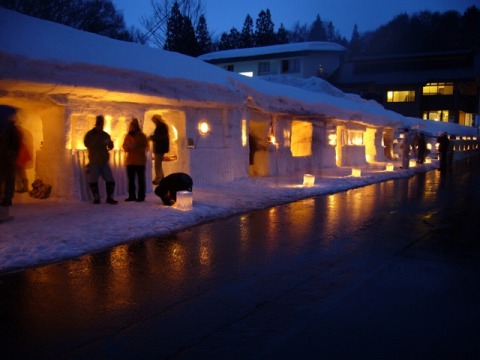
(9,148)
(99,143)
(421,148)
(168,187)
(161,146)
(443,146)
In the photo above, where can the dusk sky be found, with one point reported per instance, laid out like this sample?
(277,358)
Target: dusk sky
(222,15)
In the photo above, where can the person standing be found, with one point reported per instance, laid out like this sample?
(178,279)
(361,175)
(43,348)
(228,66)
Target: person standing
(421,148)
(9,149)
(405,149)
(161,146)
(135,145)
(99,143)
(443,146)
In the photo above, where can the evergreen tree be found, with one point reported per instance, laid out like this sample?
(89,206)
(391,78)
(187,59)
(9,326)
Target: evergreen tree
(180,34)
(203,37)
(317,31)
(264,29)
(355,41)
(282,35)
(299,33)
(231,40)
(247,38)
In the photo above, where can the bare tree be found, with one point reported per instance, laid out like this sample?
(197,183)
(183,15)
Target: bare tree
(156,24)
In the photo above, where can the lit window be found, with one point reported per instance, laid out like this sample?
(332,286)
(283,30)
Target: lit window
(438,89)
(436,115)
(401,96)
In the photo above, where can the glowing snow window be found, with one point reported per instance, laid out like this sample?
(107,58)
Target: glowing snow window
(355,137)
(301,142)
(247,73)
(438,89)
(244,133)
(401,96)
(79,127)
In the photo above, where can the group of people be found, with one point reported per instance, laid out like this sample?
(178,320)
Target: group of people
(135,144)
(419,145)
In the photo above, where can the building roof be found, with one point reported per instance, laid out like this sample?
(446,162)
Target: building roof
(272,51)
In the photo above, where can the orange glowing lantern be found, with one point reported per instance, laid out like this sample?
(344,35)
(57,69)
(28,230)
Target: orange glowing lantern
(308,180)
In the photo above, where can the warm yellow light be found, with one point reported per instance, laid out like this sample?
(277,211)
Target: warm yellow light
(332,139)
(356,172)
(184,200)
(308,180)
(389,167)
(428,161)
(412,163)
(203,128)
(244,132)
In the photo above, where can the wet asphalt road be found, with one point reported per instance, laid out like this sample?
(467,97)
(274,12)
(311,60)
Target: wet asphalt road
(388,271)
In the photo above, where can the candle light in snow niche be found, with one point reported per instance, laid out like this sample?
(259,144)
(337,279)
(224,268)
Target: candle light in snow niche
(308,180)
(356,172)
(184,200)
(389,167)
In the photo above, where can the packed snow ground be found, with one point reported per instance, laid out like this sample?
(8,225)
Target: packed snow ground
(50,230)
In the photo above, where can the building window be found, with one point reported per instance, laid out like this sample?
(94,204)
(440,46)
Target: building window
(290,66)
(401,96)
(436,115)
(264,68)
(442,88)
(229,67)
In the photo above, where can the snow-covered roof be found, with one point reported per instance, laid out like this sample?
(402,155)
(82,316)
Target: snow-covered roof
(312,46)
(61,61)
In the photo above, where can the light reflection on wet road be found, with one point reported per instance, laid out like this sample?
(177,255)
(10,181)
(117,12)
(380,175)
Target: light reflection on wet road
(255,285)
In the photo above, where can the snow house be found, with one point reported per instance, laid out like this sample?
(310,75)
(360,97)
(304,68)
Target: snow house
(223,126)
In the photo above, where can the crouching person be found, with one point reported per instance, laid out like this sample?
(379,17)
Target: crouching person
(99,143)
(169,185)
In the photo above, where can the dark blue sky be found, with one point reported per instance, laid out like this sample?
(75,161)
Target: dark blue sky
(222,15)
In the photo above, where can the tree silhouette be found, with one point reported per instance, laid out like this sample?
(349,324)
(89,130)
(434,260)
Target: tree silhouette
(203,37)
(247,37)
(180,34)
(264,29)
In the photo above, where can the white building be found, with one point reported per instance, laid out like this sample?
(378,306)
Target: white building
(304,60)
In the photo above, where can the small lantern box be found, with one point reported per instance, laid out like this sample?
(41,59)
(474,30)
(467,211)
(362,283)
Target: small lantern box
(308,180)
(356,172)
(389,167)
(184,200)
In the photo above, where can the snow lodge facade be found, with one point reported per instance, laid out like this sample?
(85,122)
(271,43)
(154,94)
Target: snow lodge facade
(223,126)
